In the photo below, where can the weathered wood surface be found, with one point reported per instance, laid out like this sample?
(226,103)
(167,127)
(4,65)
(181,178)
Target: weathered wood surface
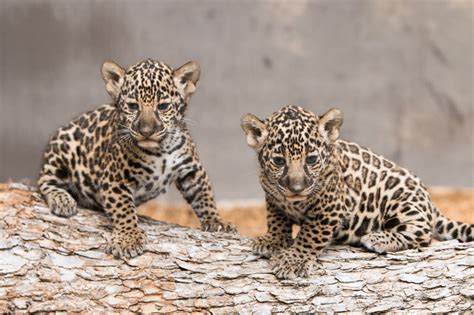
(48,263)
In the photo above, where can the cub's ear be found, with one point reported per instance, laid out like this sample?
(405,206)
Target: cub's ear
(330,123)
(186,77)
(112,74)
(255,130)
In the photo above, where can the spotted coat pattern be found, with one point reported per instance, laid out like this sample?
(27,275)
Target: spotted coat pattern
(119,156)
(336,191)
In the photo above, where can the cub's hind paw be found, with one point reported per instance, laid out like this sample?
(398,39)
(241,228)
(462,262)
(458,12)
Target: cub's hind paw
(374,242)
(126,244)
(217,226)
(62,204)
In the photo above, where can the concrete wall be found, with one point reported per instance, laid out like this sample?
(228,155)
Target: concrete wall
(402,72)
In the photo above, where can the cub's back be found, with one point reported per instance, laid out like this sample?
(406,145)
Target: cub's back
(76,150)
(370,175)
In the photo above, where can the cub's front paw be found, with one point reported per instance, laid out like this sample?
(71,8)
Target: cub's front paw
(62,204)
(216,225)
(126,243)
(287,265)
(268,246)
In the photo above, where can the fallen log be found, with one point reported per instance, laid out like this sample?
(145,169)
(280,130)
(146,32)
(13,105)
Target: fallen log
(48,263)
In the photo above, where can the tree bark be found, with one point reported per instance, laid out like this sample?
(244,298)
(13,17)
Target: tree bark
(48,263)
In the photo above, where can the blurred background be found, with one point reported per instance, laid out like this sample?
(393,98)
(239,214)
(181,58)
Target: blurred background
(401,71)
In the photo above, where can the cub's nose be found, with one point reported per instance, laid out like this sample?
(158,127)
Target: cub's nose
(294,184)
(147,130)
(296,188)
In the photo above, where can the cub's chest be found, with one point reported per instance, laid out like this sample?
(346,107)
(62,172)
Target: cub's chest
(295,211)
(156,176)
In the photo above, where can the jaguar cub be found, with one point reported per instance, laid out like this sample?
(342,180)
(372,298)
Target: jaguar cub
(336,191)
(118,156)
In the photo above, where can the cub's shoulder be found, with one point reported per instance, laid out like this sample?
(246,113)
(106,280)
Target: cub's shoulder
(102,113)
(91,123)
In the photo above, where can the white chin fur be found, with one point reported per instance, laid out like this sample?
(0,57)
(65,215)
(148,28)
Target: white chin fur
(148,144)
(295,198)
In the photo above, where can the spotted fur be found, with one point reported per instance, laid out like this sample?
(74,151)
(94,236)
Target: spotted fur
(118,156)
(337,191)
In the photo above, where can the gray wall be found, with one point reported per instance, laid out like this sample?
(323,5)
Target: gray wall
(402,72)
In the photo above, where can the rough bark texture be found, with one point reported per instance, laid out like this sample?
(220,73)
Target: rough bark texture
(48,263)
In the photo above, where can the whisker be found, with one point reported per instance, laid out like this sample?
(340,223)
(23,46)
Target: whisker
(190,121)
(124,138)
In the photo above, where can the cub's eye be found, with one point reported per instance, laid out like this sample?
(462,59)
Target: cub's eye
(278,160)
(310,160)
(163,106)
(133,106)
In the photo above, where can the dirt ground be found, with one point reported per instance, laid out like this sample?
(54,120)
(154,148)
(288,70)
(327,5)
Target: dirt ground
(250,218)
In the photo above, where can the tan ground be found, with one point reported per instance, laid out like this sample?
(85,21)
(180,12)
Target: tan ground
(251,219)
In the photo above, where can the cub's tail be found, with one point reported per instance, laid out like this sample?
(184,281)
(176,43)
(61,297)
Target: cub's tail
(446,229)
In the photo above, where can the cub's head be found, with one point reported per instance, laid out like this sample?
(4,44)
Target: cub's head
(151,97)
(293,147)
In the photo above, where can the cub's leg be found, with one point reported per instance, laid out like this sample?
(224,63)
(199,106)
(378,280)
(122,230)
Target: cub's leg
(297,260)
(53,180)
(128,240)
(407,227)
(195,187)
(278,234)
